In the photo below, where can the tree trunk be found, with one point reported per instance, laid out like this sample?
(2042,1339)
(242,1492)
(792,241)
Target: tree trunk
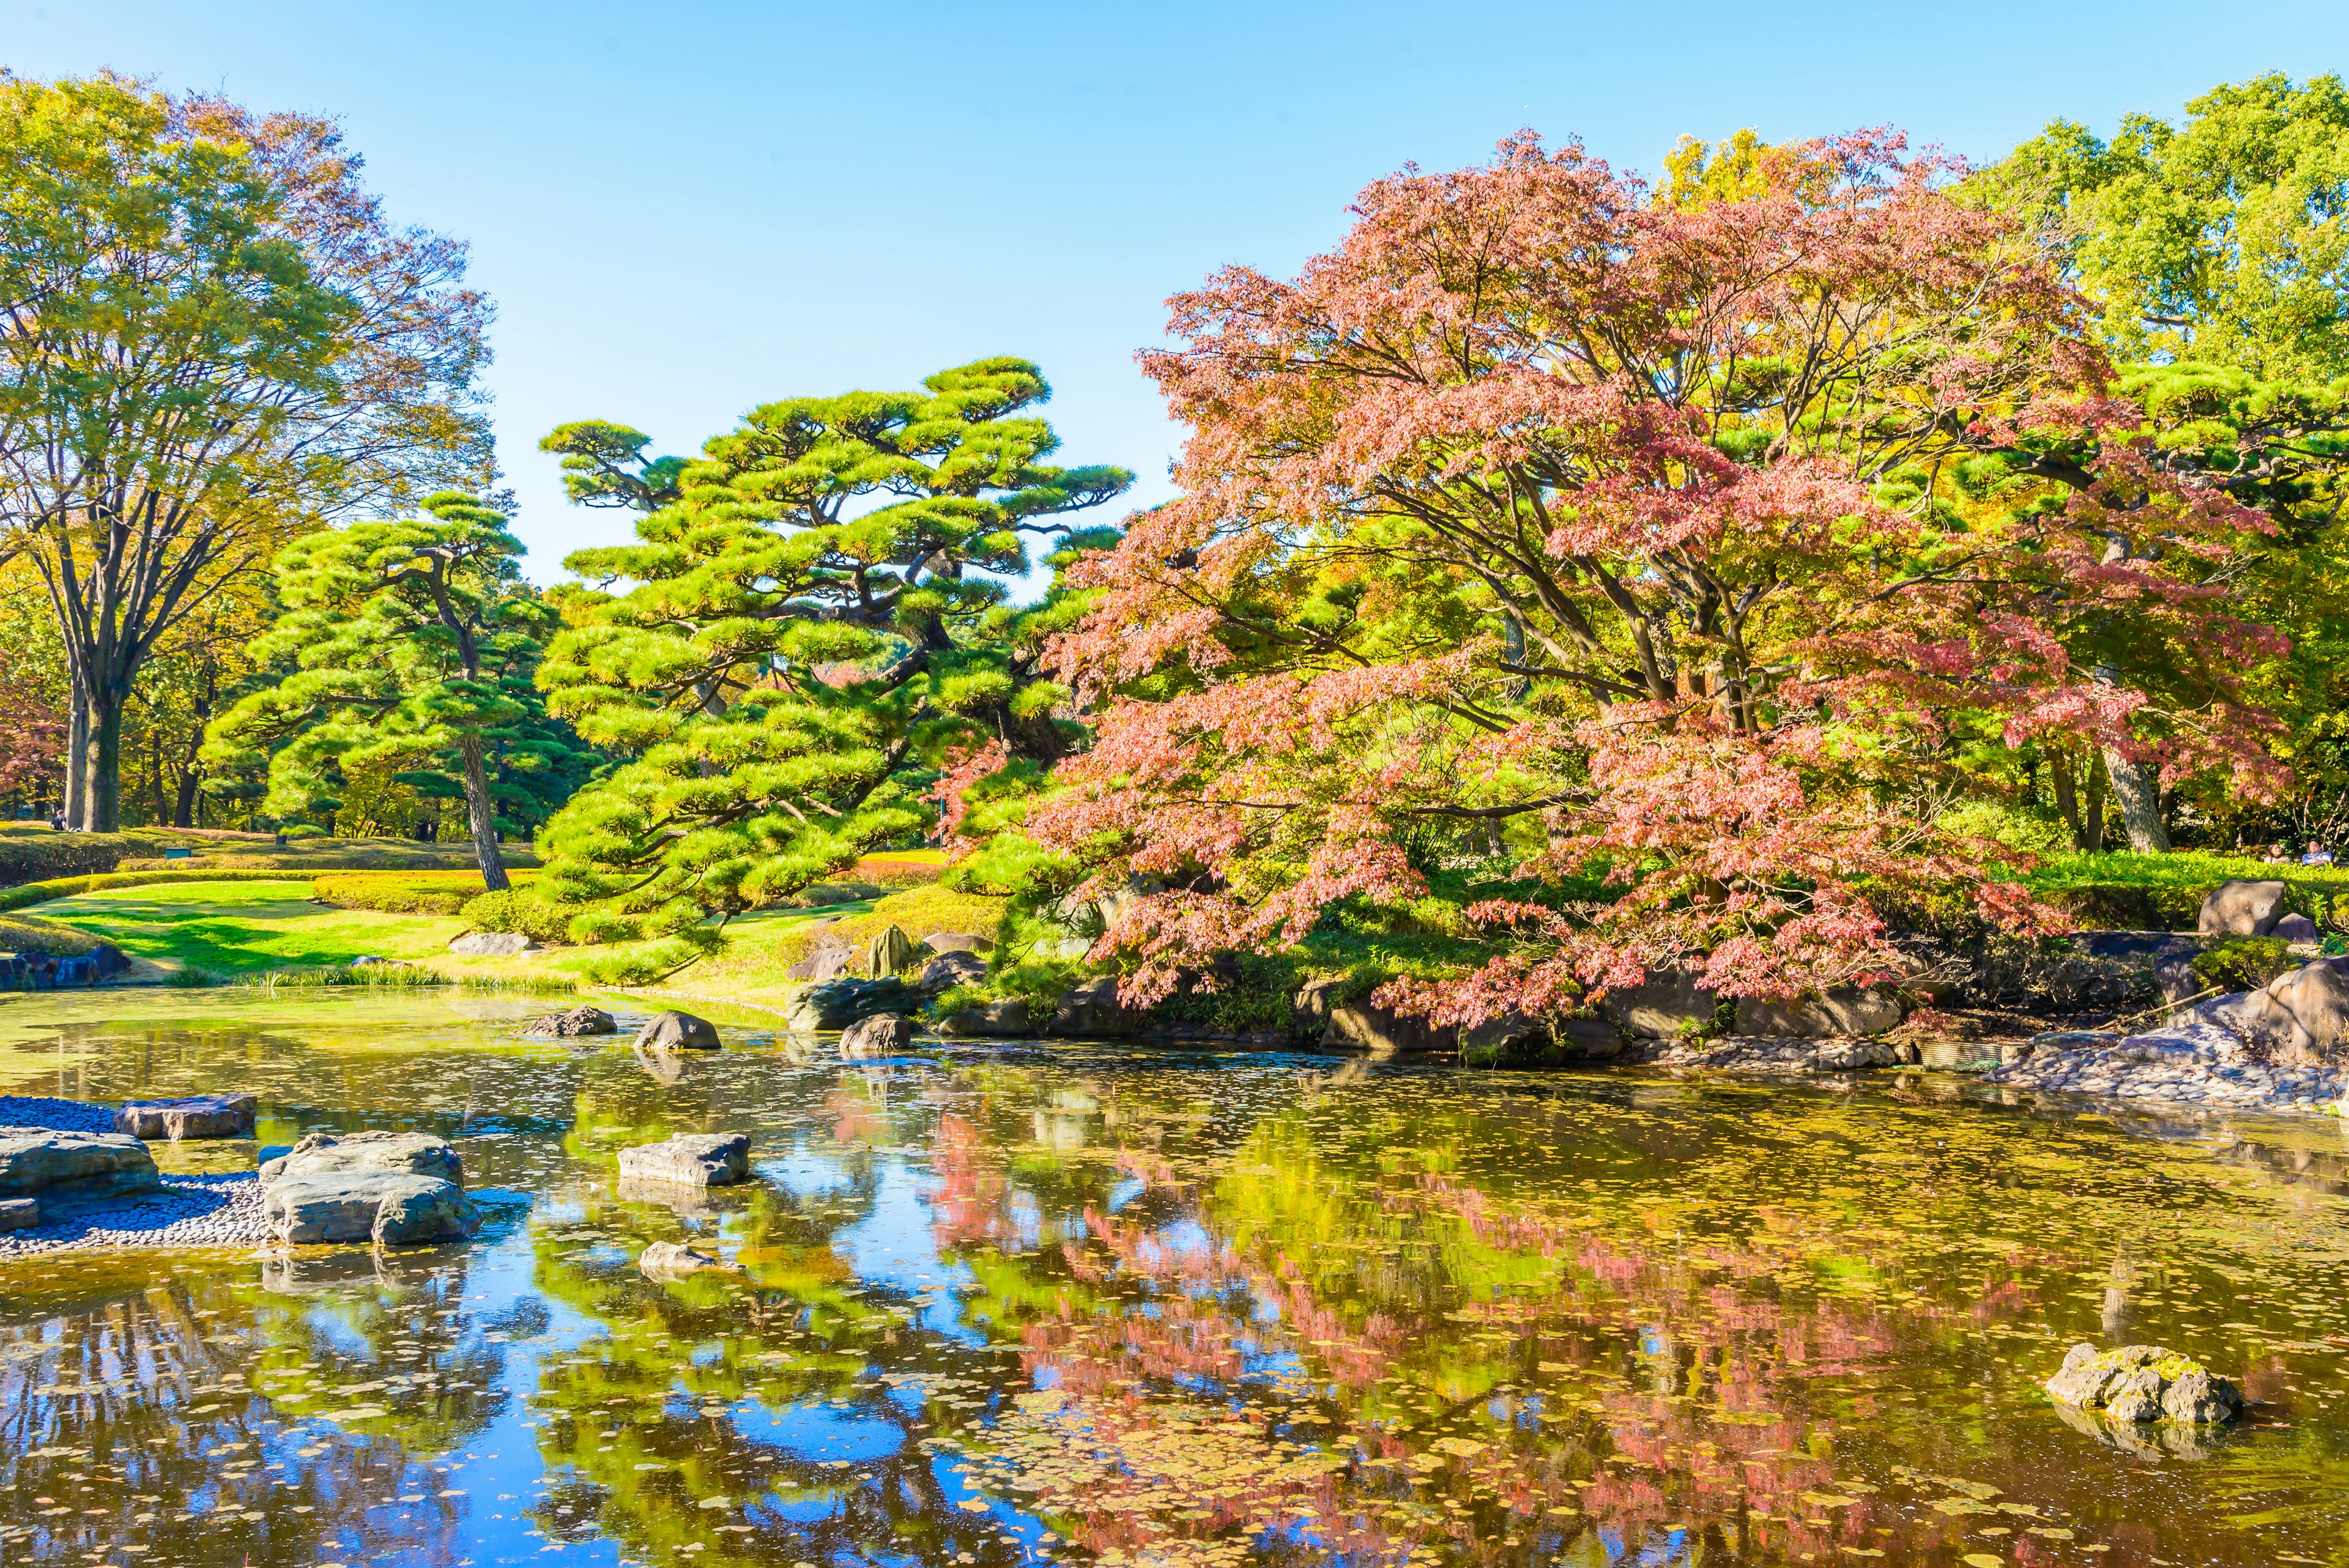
(2067,796)
(102,794)
(183,807)
(76,781)
(483,815)
(2138,795)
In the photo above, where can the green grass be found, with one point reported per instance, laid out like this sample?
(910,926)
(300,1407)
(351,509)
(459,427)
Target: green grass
(242,928)
(2169,889)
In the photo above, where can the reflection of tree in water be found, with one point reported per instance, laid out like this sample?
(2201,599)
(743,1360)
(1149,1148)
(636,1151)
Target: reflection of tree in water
(698,1416)
(163,1409)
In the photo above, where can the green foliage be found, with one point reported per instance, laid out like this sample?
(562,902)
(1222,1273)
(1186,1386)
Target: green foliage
(404,892)
(30,893)
(518,910)
(21,935)
(2173,886)
(792,668)
(2242,964)
(414,643)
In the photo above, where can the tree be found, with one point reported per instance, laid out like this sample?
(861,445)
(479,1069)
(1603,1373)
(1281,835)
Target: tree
(1671,550)
(413,642)
(209,340)
(2218,253)
(795,657)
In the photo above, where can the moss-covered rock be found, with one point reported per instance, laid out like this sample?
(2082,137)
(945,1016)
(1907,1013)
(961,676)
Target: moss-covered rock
(2140,1382)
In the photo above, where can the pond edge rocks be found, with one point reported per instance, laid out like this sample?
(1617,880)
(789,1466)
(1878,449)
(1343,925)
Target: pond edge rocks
(690,1159)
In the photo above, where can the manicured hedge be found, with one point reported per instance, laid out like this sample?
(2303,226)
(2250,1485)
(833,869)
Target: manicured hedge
(425,892)
(518,910)
(33,893)
(2120,891)
(20,935)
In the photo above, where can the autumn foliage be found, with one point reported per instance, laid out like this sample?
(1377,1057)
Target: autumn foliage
(1678,549)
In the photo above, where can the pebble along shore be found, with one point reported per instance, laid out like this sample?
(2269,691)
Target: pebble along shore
(2177,1067)
(190,1211)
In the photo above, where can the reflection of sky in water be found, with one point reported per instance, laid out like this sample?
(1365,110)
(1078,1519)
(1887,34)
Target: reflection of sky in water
(818,1432)
(805,1174)
(895,1248)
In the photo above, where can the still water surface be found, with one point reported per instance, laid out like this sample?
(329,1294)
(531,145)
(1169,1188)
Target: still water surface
(1022,1305)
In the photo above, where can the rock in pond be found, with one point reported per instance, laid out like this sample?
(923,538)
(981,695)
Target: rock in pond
(491,944)
(690,1160)
(2143,1382)
(198,1115)
(674,1261)
(74,1165)
(951,969)
(390,1208)
(881,1034)
(993,1019)
(583,1019)
(837,1004)
(335,1154)
(677,1031)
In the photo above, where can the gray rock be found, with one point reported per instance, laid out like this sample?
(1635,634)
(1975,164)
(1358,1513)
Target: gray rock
(333,1154)
(958,942)
(1844,1009)
(949,969)
(1381,1033)
(74,1165)
(881,1034)
(2200,1397)
(890,951)
(2296,928)
(690,1160)
(824,963)
(2316,997)
(993,1019)
(1090,1010)
(2239,908)
(837,1004)
(674,1031)
(390,1208)
(2135,1395)
(198,1116)
(491,944)
(1667,1003)
(675,1261)
(17,1213)
(1850,1054)
(583,1019)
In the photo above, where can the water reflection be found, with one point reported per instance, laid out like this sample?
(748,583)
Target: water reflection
(1004,1307)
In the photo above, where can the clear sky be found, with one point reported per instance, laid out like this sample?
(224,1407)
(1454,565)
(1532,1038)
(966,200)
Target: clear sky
(686,209)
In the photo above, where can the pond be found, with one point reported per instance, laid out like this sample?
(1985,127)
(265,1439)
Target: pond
(1023,1305)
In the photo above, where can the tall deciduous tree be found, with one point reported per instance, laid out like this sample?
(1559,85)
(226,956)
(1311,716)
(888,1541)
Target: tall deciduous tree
(1676,542)
(808,633)
(411,640)
(209,339)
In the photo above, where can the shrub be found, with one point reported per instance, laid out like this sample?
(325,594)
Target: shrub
(37,936)
(422,892)
(33,893)
(517,910)
(2242,964)
(301,830)
(898,868)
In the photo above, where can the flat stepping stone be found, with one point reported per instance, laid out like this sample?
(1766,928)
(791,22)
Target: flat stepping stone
(322,1154)
(389,1208)
(75,1164)
(690,1160)
(197,1116)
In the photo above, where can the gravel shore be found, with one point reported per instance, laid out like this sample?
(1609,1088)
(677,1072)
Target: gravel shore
(2193,1065)
(190,1212)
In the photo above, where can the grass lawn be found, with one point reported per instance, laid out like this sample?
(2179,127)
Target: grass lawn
(239,928)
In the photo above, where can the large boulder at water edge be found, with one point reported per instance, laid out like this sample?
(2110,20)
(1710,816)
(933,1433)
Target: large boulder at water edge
(882,1034)
(690,1160)
(390,1208)
(2143,1382)
(2299,1018)
(198,1116)
(335,1154)
(1663,1006)
(74,1165)
(581,1020)
(1090,1010)
(16,1213)
(837,1004)
(994,1020)
(1844,1009)
(677,1031)
(2238,908)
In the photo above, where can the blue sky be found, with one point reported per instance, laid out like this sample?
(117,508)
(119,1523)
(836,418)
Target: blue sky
(686,209)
